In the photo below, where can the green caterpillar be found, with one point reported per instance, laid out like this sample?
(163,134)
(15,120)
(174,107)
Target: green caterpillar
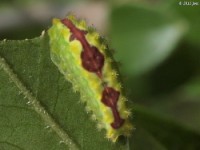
(85,61)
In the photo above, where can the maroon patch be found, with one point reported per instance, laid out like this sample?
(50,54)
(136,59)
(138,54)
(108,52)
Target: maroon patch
(92,59)
(110,97)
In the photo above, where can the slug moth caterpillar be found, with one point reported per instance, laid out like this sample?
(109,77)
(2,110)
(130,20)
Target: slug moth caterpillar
(85,60)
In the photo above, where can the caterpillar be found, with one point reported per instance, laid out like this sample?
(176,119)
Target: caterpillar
(85,60)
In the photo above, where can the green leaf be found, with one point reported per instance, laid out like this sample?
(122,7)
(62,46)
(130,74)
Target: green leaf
(143,37)
(62,122)
(39,110)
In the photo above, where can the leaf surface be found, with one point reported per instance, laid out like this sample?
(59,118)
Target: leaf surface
(143,38)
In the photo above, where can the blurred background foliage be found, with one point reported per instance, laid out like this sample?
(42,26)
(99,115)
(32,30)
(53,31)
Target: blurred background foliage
(157,43)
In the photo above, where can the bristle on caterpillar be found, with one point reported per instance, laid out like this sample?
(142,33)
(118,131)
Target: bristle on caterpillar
(84,58)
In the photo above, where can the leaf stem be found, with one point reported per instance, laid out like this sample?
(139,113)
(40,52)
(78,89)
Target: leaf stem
(38,107)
